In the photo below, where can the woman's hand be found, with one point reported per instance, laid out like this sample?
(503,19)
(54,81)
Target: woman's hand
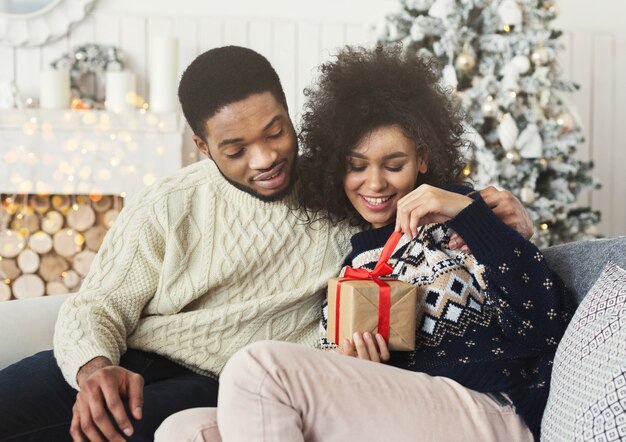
(426,205)
(366,347)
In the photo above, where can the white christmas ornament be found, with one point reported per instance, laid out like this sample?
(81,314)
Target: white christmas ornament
(512,70)
(417,32)
(521,62)
(510,14)
(529,143)
(441,9)
(507,132)
(448,76)
(527,195)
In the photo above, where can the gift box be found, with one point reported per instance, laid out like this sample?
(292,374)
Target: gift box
(356,305)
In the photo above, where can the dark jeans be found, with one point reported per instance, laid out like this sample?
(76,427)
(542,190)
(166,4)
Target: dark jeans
(36,402)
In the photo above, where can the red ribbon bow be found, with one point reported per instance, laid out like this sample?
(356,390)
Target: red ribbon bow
(382,268)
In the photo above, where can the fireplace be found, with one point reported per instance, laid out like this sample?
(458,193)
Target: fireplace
(64,176)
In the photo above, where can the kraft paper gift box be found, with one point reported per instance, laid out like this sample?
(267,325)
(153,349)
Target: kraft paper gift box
(359,311)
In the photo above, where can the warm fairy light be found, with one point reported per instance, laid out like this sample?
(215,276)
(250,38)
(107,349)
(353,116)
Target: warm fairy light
(74,207)
(543,161)
(123,194)
(467,171)
(95,197)
(148,179)
(544,226)
(506,28)
(64,274)
(89,118)
(513,94)
(79,240)
(70,232)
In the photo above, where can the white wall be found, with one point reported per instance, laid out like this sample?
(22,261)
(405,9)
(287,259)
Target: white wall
(298,35)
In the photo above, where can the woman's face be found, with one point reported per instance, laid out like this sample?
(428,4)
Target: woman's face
(382,168)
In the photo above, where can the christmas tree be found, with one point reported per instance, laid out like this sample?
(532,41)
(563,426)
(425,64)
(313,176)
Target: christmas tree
(499,59)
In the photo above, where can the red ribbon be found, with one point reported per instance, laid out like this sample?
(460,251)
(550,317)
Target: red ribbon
(382,268)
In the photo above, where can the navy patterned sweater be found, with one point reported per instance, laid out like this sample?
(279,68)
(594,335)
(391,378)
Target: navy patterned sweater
(494,324)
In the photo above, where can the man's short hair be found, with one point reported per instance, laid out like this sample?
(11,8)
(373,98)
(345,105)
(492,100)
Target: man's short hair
(222,76)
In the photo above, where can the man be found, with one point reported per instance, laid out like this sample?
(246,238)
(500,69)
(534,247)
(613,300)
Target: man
(196,267)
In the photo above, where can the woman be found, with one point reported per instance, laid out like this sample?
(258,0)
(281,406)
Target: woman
(382,150)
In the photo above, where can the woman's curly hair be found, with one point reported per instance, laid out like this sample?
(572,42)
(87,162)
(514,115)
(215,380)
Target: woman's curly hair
(361,90)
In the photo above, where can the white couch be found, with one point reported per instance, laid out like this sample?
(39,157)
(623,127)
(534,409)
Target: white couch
(26,327)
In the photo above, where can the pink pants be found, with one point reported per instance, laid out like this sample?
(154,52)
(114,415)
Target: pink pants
(276,391)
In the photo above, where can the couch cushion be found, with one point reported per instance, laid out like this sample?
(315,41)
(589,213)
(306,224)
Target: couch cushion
(588,389)
(579,263)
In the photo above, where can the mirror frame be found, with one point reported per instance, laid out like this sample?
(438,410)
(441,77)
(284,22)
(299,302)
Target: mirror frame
(44,26)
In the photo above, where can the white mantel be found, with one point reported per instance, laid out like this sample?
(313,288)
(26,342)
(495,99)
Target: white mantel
(86,151)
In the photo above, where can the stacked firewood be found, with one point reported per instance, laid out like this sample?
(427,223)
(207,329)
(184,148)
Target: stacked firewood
(48,242)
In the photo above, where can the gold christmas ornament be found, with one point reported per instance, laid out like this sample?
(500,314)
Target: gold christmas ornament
(465,62)
(566,121)
(540,56)
(513,156)
(490,108)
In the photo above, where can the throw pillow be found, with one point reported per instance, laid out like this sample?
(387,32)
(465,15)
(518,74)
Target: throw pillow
(588,389)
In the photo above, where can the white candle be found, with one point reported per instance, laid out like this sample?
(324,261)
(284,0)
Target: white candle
(120,91)
(163,74)
(55,89)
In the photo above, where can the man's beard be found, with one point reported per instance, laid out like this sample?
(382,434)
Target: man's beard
(269,198)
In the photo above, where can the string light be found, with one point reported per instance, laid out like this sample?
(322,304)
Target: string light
(544,226)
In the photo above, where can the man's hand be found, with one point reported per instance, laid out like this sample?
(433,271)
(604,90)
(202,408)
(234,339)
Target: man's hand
(506,207)
(366,347)
(102,387)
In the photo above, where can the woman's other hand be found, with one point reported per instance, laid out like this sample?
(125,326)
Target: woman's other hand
(428,204)
(365,346)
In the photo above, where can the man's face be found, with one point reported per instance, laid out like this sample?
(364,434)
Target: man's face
(253,143)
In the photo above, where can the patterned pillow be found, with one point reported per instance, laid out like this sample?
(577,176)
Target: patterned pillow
(588,390)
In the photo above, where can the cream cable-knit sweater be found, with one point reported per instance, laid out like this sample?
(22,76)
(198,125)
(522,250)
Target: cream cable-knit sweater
(194,269)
